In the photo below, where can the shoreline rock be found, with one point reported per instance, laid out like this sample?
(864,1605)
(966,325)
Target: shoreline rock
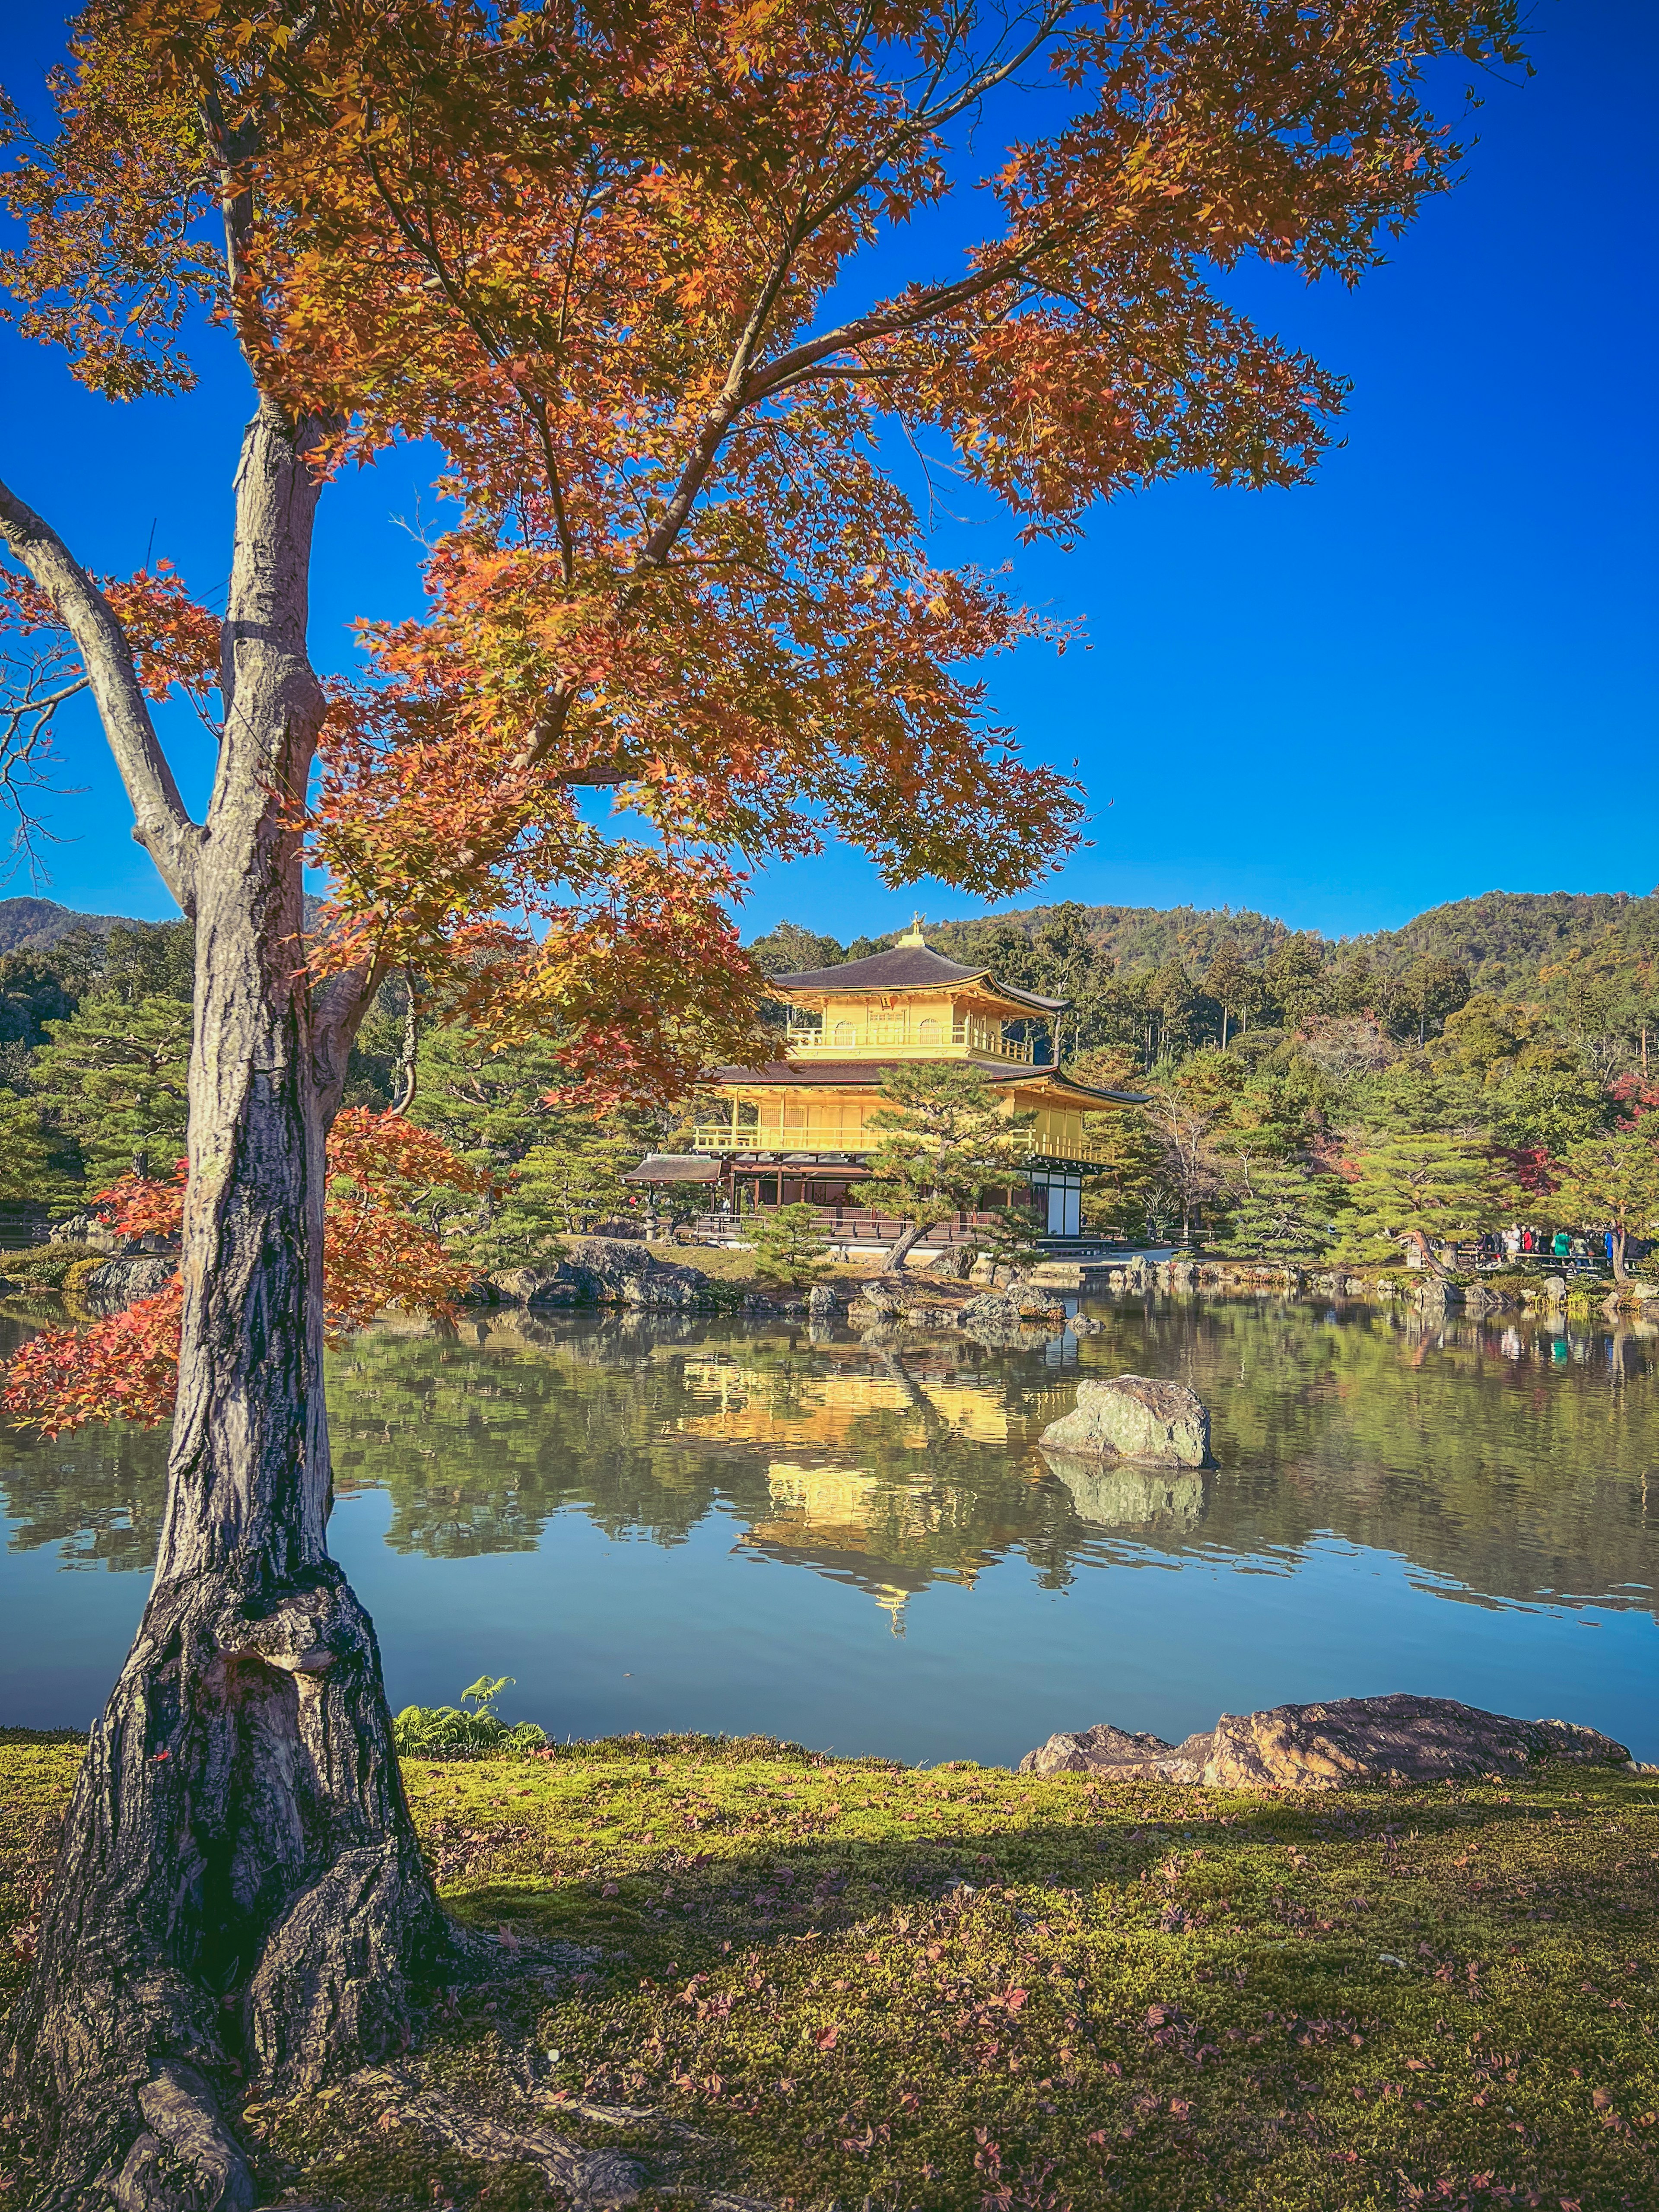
(598,1271)
(1351,1743)
(1134,1417)
(122,1283)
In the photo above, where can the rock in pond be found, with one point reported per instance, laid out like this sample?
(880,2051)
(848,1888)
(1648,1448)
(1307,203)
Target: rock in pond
(1134,1417)
(1021,1315)
(120,1284)
(1351,1742)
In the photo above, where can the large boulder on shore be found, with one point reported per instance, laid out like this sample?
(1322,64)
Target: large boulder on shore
(1134,1417)
(1020,1316)
(1389,1741)
(606,1271)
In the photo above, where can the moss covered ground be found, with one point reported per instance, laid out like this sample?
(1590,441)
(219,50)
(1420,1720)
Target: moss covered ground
(864,1985)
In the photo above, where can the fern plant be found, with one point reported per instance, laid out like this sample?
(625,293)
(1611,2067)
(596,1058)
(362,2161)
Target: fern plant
(454,1732)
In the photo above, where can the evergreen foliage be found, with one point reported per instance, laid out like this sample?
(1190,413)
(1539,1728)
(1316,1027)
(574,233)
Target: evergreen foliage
(1269,1054)
(1425,1186)
(944,1142)
(115,1076)
(790,1249)
(1613,1180)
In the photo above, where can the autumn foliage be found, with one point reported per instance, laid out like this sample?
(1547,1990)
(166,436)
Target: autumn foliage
(600,254)
(616,262)
(375,1253)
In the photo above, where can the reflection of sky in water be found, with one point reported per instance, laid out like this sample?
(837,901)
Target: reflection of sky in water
(675,1524)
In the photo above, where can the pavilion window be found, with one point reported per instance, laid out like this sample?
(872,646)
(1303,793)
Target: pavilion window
(929,1034)
(846,1035)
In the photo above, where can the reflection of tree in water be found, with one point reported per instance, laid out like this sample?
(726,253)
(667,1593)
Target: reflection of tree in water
(886,1469)
(1502,1456)
(97,1495)
(1496,1456)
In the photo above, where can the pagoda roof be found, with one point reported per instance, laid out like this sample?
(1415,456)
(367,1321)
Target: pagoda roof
(675,1167)
(867,1074)
(911,966)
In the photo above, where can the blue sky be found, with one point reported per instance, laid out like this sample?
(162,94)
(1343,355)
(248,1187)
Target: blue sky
(1430,673)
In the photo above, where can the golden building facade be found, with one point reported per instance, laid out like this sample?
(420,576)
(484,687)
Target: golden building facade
(797,1126)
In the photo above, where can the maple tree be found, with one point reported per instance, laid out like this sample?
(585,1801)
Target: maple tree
(375,1253)
(604,256)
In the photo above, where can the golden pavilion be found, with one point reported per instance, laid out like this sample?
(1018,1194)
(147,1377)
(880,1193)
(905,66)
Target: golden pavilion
(797,1127)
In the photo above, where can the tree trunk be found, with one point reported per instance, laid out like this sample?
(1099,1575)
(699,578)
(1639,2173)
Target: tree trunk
(905,1244)
(1617,1255)
(1431,1264)
(240,1895)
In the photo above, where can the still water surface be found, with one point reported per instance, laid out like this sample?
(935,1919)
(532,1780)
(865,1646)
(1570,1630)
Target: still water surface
(658,1523)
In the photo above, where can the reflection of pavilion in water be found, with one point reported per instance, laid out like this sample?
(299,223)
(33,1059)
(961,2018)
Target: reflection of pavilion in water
(763,1406)
(838,1520)
(889,1534)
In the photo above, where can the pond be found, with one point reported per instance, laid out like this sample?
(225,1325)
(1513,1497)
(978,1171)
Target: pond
(656,1523)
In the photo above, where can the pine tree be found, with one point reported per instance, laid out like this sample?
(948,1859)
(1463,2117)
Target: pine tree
(790,1247)
(26,1164)
(944,1142)
(1283,1213)
(1612,1182)
(557,1169)
(1422,1187)
(1232,986)
(115,1078)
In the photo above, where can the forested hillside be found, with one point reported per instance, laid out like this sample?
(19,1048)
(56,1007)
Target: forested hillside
(26,923)
(1159,981)
(1495,1060)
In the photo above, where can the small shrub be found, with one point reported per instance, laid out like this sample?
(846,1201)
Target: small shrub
(449,1732)
(790,1248)
(41,1270)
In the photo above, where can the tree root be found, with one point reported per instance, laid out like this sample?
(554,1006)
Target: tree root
(240,1893)
(592,2179)
(589,2177)
(184,2147)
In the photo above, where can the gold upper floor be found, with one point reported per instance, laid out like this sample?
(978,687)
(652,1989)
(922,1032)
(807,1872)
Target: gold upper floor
(906,1028)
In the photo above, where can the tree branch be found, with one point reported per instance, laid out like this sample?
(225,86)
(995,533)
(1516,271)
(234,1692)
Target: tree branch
(161,825)
(792,368)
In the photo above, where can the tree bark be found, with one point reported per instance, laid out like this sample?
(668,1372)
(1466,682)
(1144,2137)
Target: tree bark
(901,1250)
(1431,1264)
(240,1894)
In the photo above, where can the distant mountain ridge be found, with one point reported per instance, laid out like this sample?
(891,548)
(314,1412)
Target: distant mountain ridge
(1504,938)
(30,924)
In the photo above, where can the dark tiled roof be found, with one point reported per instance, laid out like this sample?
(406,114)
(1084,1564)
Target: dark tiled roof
(805,1073)
(675,1167)
(909,968)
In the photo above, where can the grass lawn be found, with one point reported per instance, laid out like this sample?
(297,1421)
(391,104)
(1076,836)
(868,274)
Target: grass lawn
(823,1981)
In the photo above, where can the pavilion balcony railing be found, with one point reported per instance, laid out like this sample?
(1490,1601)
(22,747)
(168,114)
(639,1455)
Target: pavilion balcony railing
(857,1040)
(751,1137)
